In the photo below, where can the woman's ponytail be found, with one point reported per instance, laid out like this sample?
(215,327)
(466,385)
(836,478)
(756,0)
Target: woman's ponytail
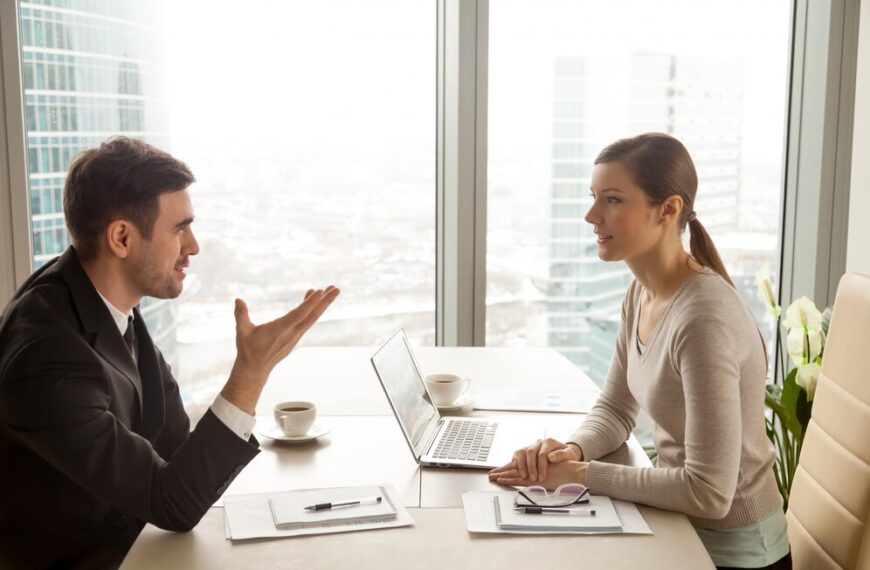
(703,249)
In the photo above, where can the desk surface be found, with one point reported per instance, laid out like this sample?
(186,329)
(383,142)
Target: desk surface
(365,445)
(438,540)
(341,381)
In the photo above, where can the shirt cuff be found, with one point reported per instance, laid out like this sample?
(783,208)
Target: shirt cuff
(236,420)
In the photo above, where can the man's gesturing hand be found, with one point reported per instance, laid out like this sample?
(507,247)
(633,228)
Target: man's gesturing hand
(260,347)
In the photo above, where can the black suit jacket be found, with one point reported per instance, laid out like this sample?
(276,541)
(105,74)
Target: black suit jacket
(91,447)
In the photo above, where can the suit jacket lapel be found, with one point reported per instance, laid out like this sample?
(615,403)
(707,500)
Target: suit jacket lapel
(111,346)
(96,320)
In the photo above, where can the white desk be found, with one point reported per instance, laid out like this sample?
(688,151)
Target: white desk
(366,446)
(342,382)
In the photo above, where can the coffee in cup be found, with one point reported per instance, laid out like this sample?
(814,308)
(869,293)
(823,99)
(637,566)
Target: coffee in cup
(445,389)
(295,418)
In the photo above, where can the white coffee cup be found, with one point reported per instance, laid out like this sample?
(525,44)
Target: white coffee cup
(295,418)
(445,389)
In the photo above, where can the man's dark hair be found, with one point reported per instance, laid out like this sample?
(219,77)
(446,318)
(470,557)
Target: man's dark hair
(121,178)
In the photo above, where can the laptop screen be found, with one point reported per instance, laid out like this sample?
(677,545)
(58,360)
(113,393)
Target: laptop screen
(395,366)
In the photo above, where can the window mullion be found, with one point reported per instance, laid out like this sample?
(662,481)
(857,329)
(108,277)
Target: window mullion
(819,150)
(15,263)
(461,173)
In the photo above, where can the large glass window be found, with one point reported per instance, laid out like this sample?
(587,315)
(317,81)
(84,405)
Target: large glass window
(310,129)
(566,78)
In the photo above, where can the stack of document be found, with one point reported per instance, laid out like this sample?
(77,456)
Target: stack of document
(313,511)
(494,513)
(311,507)
(596,516)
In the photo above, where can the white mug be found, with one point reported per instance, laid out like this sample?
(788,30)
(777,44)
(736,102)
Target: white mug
(295,418)
(445,389)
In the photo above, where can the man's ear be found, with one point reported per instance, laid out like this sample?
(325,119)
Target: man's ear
(119,235)
(671,209)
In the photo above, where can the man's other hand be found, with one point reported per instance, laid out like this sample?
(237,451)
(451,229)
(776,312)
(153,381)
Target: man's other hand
(260,347)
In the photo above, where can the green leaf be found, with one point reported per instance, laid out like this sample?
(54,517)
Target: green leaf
(803,408)
(788,414)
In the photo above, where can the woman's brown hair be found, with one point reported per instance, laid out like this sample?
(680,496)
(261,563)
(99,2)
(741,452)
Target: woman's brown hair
(661,166)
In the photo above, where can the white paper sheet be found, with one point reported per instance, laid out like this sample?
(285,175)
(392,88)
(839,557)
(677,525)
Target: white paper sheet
(480,516)
(289,507)
(531,400)
(249,516)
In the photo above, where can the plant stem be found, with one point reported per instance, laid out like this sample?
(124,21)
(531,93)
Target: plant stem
(782,461)
(792,458)
(777,465)
(780,350)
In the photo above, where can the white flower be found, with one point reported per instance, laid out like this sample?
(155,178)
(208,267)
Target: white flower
(804,345)
(803,313)
(807,378)
(765,291)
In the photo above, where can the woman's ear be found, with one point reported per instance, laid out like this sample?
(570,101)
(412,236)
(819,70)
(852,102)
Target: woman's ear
(671,209)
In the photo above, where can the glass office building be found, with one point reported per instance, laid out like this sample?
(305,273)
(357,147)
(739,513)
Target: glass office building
(594,105)
(92,69)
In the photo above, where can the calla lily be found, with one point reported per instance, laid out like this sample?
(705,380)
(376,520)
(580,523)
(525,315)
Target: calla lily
(765,291)
(804,346)
(807,377)
(803,313)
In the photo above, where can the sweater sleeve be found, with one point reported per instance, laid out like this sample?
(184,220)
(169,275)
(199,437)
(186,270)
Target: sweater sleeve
(611,420)
(706,359)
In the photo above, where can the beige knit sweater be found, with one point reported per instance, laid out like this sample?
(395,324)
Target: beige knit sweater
(701,380)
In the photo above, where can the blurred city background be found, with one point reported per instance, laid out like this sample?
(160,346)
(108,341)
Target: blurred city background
(310,127)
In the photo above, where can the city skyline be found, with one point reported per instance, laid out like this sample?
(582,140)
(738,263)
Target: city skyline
(680,96)
(316,162)
(89,74)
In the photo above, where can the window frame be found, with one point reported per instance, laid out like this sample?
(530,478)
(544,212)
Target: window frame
(818,143)
(15,240)
(818,149)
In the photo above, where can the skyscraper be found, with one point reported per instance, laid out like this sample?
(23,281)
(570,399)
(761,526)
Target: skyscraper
(595,103)
(91,70)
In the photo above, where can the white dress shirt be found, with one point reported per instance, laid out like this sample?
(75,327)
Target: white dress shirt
(236,420)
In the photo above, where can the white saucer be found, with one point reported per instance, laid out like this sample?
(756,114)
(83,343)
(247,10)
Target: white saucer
(465,401)
(274,432)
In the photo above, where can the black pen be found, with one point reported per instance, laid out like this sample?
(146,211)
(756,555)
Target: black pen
(347,503)
(546,510)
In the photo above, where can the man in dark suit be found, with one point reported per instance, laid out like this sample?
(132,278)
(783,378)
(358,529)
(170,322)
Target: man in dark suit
(94,441)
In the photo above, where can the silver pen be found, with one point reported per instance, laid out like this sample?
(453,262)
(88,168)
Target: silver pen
(548,510)
(345,503)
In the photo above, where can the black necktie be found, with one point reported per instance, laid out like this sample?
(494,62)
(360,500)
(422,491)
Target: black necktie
(130,339)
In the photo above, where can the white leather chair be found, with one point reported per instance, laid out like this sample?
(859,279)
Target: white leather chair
(829,505)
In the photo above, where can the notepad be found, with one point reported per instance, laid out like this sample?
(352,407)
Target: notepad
(288,508)
(606,519)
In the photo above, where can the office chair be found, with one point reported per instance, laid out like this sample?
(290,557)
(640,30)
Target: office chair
(829,504)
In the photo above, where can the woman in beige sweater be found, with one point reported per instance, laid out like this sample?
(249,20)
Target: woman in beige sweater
(688,352)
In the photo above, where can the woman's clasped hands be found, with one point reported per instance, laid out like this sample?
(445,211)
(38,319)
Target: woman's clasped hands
(547,462)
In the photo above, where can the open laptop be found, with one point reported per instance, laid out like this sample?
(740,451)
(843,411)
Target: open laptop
(443,441)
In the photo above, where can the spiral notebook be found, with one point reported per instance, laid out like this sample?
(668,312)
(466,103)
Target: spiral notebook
(480,516)
(289,512)
(605,519)
(250,515)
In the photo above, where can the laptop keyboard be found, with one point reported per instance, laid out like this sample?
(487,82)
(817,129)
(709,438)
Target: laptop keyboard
(467,440)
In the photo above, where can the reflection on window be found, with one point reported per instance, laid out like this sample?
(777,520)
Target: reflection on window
(314,158)
(560,89)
